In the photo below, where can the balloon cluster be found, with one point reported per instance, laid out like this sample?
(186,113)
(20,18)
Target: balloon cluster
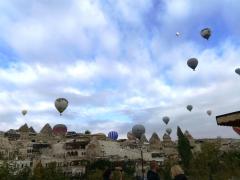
(190,107)
(60,104)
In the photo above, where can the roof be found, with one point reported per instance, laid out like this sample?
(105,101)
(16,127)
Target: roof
(24,128)
(46,130)
(166,137)
(154,138)
(32,130)
(11,131)
(230,119)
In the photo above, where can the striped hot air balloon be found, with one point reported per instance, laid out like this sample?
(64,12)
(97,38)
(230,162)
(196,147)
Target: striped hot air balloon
(237,130)
(113,135)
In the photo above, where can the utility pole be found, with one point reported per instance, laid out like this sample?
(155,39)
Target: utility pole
(142,164)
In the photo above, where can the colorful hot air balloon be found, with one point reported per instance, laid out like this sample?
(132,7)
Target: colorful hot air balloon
(206,33)
(237,130)
(138,130)
(24,112)
(169,131)
(237,70)
(209,112)
(61,104)
(113,135)
(189,107)
(192,63)
(166,119)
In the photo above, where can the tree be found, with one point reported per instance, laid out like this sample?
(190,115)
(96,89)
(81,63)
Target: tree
(211,163)
(23,174)
(184,148)
(100,164)
(52,172)
(5,172)
(38,172)
(205,163)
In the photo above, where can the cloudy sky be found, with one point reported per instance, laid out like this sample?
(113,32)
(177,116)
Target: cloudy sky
(119,63)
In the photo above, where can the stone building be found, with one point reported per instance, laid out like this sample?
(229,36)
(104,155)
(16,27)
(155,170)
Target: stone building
(71,150)
(155,143)
(170,148)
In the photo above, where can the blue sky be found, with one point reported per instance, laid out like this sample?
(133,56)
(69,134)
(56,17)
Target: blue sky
(119,63)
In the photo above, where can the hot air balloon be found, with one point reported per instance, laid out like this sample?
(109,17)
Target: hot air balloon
(169,131)
(138,130)
(24,112)
(192,63)
(209,112)
(206,33)
(189,107)
(237,130)
(113,135)
(166,119)
(61,104)
(59,130)
(237,71)
(177,34)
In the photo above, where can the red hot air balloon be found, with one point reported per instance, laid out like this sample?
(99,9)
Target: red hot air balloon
(237,130)
(59,130)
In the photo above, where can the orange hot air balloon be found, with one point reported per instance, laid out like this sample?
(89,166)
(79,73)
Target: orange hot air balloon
(237,130)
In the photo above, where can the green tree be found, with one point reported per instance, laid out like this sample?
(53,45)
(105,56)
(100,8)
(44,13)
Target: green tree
(211,163)
(205,163)
(95,174)
(184,148)
(5,172)
(38,172)
(100,164)
(232,162)
(51,172)
(23,174)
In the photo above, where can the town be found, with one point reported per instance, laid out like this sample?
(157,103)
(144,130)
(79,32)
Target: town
(25,147)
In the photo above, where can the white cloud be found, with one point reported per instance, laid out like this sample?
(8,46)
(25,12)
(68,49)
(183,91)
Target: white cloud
(22,74)
(178,8)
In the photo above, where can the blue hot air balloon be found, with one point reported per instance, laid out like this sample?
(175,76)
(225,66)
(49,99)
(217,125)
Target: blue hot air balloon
(113,135)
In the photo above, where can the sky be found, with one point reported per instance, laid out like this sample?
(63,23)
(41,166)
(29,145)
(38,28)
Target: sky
(119,63)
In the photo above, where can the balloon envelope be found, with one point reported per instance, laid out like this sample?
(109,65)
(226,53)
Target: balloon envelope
(61,104)
(192,63)
(206,33)
(237,71)
(24,112)
(138,130)
(113,135)
(237,130)
(59,130)
(166,119)
(209,112)
(169,131)
(177,34)
(189,107)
